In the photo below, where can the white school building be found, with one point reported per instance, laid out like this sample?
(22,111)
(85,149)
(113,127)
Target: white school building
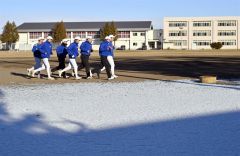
(132,35)
(192,33)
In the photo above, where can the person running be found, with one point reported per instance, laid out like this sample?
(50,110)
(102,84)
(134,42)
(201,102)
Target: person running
(105,50)
(86,49)
(61,54)
(46,52)
(37,57)
(73,54)
(110,57)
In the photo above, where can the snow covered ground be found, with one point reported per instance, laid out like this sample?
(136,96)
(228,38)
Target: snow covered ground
(127,119)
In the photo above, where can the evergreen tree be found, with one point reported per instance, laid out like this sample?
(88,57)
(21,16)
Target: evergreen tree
(10,34)
(113,30)
(59,32)
(109,29)
(104,31)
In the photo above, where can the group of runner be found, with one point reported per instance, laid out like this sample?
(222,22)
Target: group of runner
(42,52)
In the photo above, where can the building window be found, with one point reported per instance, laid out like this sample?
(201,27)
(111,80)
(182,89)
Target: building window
(135,34)
(202,24)
(227,23)
(177,24)
(202,43)
(143,34)
(68,34)
(46,34)
(134,44)
(94,34)
(81,34)
(179,42)
(35,35)
(178,33)
(202,33)
(228,42)
(227,33)
(124,34)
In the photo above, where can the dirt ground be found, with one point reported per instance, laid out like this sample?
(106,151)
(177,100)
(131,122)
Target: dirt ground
(132,66)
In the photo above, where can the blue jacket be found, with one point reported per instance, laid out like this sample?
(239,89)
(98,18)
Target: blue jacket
(61,51)
(46,50)
(73,50)
(36,51)
(105,49)
(86,48)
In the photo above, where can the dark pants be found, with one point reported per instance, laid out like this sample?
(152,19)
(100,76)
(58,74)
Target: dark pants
(61,64)
(85,64)
(107,65)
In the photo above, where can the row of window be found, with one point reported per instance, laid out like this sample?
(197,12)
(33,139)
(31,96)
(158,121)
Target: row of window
(227,33)
(203,24)
(141,34)
(179,42)
(204,33)
(177,24)
(81,34)
(178,33)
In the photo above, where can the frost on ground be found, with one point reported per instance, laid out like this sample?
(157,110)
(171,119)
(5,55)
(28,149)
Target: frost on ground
(127,119)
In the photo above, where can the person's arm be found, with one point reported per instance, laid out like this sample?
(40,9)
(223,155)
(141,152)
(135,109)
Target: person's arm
(69,50)
(34,48)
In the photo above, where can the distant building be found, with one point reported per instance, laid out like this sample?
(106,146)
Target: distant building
(199,32)
(132,35)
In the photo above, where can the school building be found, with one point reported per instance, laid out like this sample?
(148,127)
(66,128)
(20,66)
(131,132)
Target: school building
(192,33)
(132,35)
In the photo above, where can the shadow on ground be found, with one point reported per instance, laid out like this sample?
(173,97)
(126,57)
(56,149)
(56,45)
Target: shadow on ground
(184,66)
(211,135)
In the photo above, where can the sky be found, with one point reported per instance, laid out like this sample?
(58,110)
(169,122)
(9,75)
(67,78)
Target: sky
(22,11)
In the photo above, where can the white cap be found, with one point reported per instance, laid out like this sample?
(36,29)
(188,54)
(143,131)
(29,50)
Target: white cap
(107,38)
(40,38)
(77,38)
(89,37)
(111,36)
(49,38)
(65,40)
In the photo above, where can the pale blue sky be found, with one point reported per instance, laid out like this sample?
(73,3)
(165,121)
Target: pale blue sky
(95,10)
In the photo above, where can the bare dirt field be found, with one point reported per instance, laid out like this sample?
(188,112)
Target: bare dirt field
(133,66)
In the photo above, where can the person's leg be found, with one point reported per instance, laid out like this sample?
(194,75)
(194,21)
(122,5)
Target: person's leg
(47,65)
(62,65)
(75,67)
(107,65)
(69,67)
(38,65)
(85,62)
(102,66)
(111,62)
(38,70)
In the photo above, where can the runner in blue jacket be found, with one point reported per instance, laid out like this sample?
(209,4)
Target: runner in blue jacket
(46,52)
(37,57)
(86,49)
(61,54)
(73,54)
(111,56)
(105,50)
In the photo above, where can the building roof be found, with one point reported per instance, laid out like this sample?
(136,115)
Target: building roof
(83,26)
